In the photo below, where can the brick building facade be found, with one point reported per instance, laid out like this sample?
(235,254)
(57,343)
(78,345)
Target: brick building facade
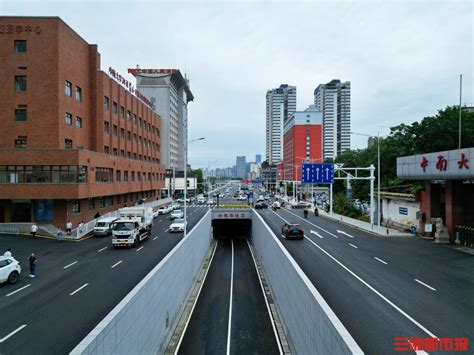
(74,141)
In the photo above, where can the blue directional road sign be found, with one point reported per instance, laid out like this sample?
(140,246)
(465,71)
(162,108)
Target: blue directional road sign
(317,173)
(250,195)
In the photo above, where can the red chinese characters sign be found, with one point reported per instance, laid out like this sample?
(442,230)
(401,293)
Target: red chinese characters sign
(18,29)
(151,71)
(442,163)
(116,75)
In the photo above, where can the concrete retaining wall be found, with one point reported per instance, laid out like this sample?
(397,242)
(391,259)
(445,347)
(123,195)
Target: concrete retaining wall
(311,325)
(143,322)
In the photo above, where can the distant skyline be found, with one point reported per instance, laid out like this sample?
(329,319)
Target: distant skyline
(403,58)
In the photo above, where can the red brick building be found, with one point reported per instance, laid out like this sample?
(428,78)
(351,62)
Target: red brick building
(302,142)
(74,141)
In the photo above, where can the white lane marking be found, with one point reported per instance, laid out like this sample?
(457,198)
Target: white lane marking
(401,311)
(196,300)
(139,248)
(352,245)
(324,230)
(417,352)
(117,263)
(229,330)
(80,288)
(426,285)
(22,288)
(12,333)
(342,232)
(317,234)
(155,238)
(266,302)
(383,262)
(71,264)
(102,249)
(166,230)
(159,221)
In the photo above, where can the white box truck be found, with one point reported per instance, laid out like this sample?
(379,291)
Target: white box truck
(133,225)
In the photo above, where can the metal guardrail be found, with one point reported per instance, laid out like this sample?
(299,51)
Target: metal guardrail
(465,235)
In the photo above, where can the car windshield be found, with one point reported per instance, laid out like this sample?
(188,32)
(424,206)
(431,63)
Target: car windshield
(178,212)
(101,224)
(178,221)
(124,226)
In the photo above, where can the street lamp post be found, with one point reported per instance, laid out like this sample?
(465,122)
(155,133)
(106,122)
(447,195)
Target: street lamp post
(185,192)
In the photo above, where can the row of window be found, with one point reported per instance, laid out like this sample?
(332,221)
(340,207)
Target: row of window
(105,175)
(103,201)
(68,91)
(142,140)
(141,123)
(43,174)
(130,155)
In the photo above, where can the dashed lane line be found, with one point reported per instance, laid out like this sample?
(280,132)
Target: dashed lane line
(102,249)
(383,262)
(12,333)
(155,238)
(71,264)
(229,324)
(426,285)
(139,248)
(116,264)
(352,245)
(80,288)
(22,288)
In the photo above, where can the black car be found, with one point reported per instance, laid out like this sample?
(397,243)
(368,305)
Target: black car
(260,205)
(292,230)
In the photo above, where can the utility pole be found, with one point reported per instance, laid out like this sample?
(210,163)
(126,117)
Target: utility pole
(378,181)
(460,98)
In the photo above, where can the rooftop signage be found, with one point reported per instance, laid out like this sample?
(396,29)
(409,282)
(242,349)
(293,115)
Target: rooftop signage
(151,71)
(129,86)
(17,29)
(455,164)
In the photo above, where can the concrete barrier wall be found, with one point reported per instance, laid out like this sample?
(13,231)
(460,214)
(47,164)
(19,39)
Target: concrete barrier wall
(143,322)
(311,325)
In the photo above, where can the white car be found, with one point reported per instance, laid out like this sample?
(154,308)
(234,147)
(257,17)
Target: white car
(10,269)
(241,198)
(177,226)
(164,210)
(177,214)
(261,198)
(210,201)
(155,213)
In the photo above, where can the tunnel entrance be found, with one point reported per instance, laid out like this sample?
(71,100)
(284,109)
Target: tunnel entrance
(231,223)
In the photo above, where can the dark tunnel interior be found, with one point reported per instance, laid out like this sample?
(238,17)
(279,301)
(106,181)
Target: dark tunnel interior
(232,228)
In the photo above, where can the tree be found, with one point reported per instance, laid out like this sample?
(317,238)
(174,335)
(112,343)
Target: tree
(199,176)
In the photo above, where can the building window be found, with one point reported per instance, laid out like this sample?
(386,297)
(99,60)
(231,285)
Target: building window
(68,118)
(78,122)
(106,149)
(20,83)
(135,138)
(92,204)
(134,119)
(139,176)
(129,155)
(118,175)
(133,176)
(78,94)
(114,107)
(20,115)
(125,176)
(140,122)
(20,46)
(129,117)
(122,111)
(101,202)
(103,175)
(110,200)
(21,143)
(129,136)
(122,133)
(68,88)
(114,130)
(76,206)
(115,151)
(122,153)
(68,144)
(106,103)
(106,127)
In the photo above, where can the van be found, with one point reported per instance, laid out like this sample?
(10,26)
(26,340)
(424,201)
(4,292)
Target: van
(201,200)
(103,226)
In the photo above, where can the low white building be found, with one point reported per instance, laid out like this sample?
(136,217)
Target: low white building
(398,210)
(177,185)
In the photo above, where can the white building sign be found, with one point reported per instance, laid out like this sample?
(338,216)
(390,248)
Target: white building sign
(455,164)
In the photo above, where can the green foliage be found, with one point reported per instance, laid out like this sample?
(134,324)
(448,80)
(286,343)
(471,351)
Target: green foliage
(432,134)
(344,206)
(199,176)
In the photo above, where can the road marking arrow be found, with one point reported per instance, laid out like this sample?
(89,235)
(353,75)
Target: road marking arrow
(327,174)
(317,174)
(307,173)
(342,232)
(320,236)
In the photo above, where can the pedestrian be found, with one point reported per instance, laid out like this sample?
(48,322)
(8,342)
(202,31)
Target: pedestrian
(79,226)
(97,215)
(68,227)
(8,253)
(60,235)
(34,229)
(32,261)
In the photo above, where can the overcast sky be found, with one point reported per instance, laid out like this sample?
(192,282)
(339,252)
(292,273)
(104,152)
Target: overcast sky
(403,58)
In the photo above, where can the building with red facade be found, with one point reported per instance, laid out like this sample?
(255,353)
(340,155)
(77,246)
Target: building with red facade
(74,141)
(302,142)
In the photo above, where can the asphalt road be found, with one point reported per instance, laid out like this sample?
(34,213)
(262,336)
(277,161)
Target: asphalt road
(77,285)
(382,288)
(249,330)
